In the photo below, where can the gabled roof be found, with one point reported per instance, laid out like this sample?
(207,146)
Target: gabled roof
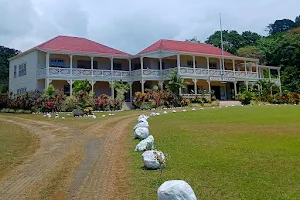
(184,47)
(74,45)
(78,45)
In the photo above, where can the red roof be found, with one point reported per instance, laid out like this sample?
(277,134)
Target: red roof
(78,45)
(186,47)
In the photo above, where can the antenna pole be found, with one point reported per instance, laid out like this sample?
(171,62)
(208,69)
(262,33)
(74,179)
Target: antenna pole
(222,45)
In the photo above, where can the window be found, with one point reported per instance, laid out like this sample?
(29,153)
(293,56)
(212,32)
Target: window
(57,63)
(21,91)
(67,90)
(136,66)
(15,71)
(212,65)
(22,69)
(84,64)
(117,66)
(190,63)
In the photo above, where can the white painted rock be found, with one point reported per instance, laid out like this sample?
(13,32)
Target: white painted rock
(94,117)
(143,117)
(157,114)
(201,108)
(165,112)
(153,114)
(150,159)
(183,110)
(174,111)
(141,133)
(143,123)
(63,118)
(193,109)
(146,144)
(176,190)
(103,115)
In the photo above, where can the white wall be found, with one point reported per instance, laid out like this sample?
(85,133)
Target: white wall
(27,81)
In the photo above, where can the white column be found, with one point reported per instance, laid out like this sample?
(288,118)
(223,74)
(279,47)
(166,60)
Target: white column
(257,69)
(195,85)
(112,91)
(161,84)
(194,62)
(207,62)
(269,73)
(47,81)
(235,89)
(71,65)
(142,84)
(247,85)
(178,63)
(233,67)
(130,90)
(221,64)
(160,66)
(245,62)
(71,87)
(142,65)
(209,88)
(92,86)
(92,65)
(129,63)
(280,89)
(112,66)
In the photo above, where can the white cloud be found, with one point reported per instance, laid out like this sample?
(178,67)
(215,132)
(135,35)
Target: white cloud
(133,24)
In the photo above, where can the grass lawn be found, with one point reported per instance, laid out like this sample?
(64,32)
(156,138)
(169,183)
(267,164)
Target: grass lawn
(227,153)
(16,144)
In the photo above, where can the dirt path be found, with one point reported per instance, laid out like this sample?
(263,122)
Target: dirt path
(100,173)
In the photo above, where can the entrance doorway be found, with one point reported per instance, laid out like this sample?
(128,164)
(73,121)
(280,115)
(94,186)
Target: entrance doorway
(216,92)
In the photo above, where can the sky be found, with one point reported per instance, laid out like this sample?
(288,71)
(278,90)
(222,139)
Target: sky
(132,25)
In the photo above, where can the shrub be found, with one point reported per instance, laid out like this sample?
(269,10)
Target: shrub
(246,97)
(20,111)
(11,111)
(184,102)
(102,102)
(87,110)
(146,106)
(294,98)
(70,104)
(27,112)
(115,105)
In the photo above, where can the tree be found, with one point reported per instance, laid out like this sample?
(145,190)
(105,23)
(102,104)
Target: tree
(81,86)
(251,52)
(280,26)
(232,40)
(290,79)
(297,21)
(250,38)
(194,40)
(5,54)
(121,89)
(175,83)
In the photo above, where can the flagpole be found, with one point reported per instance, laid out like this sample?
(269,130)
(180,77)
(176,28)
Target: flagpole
(222,45)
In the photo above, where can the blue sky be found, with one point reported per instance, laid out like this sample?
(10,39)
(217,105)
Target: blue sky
(132,25)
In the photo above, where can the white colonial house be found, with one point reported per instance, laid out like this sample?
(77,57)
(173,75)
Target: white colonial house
(63,59)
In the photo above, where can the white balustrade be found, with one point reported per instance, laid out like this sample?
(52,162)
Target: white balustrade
(41,72)
(240,74)
(56,71)
(151,72)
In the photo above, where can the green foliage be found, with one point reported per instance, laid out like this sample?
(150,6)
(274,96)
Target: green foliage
(5,54)
(291,79)
(246,97)
(70,104)
(175,83)
(121,89)
(194,40)
(232,40)
(280,26)
(81,86)
(251,52)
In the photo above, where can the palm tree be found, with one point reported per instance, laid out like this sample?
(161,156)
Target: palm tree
(176,82)
(81,86)
(266,86)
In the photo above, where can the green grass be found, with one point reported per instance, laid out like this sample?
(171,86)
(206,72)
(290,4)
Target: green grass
(16,144)
(227,153)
